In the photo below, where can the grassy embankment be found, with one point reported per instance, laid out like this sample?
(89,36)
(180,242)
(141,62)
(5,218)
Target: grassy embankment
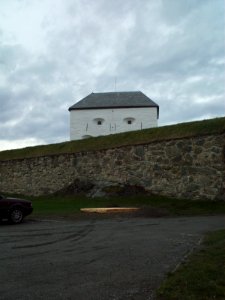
(68,205)
(198,128)
(202,276)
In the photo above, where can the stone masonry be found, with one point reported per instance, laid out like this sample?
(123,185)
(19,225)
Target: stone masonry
(191,168)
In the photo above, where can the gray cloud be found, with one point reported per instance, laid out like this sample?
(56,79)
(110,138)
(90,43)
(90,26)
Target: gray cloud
(171,50)
(34,101)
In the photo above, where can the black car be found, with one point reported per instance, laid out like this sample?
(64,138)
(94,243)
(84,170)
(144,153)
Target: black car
(14,209)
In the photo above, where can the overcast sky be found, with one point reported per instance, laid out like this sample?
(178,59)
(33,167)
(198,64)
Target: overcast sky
(55,52)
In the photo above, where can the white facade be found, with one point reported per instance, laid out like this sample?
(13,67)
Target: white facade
(86,123)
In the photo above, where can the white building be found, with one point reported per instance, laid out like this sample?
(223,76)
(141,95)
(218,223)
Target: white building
(108,113)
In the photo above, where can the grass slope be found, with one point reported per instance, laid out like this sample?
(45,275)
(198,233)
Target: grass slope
(202,277)
(198,128)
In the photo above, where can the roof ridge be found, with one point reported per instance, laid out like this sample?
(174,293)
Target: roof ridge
(116,92)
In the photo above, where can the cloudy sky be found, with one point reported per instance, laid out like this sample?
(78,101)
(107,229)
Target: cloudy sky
(55,52)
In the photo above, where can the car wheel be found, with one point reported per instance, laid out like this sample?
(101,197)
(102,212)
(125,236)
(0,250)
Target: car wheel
(16,215)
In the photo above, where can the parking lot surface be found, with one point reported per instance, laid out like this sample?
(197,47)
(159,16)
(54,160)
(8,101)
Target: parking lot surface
(112,259)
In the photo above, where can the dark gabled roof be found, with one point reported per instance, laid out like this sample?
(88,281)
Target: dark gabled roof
(114,100)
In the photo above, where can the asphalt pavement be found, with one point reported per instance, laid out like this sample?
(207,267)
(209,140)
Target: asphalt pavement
(119,258)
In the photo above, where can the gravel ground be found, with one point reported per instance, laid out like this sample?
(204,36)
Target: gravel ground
(95,259)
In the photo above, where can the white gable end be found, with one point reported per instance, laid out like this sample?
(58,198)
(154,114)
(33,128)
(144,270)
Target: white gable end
(86,123)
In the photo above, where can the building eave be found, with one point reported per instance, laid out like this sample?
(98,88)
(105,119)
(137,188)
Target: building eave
(114,107)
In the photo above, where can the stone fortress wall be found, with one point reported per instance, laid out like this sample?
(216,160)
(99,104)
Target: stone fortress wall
(191,168)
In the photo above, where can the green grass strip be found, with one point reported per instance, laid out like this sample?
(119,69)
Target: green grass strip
(182,130)
(202,277)
(151,205)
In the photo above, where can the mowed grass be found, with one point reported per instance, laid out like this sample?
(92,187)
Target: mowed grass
(202,277)
(150,205)
(198,128)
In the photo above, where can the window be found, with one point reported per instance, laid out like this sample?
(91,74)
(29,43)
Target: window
(98,121)
(129,120)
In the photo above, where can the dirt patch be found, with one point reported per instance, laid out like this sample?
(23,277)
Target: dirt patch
(151,212)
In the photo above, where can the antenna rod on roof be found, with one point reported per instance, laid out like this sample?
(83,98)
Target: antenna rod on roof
(115,84)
